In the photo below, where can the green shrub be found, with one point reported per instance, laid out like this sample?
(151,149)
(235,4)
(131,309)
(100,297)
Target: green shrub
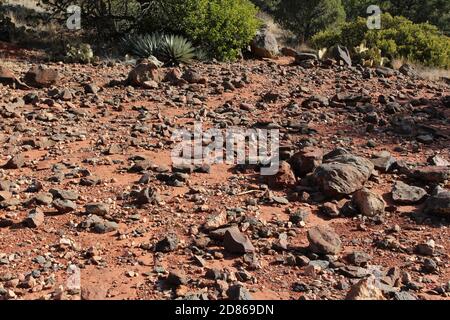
(306,18)
(435,12)
(81,53)
(222,27)
(103,18)
(398,38)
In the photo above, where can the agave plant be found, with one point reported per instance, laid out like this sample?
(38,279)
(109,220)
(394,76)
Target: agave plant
(201,55)
(176,49)
(142,46)
(171,49)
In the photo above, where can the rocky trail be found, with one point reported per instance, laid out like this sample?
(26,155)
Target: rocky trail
(359,209)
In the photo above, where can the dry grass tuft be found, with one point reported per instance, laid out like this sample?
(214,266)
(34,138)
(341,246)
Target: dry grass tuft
(30,4)
(425,72)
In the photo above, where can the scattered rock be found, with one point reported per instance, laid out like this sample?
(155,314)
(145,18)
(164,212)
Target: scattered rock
(93,292)
(384,163)
(35,218)
(289,52)
(426,249)
(341,54)
(330,209)
(368,203)
(236,242)
(177,278)
(167,244)
(432,174)
(148,195)
(41,77)
(284,177)
(265,45)
(358,258)
(64,206)
(408,70)
(306,161)
(304,56)
(192,76)
(324,240)
(16,162)
(5,195)
(365,289)
(438,203)
(405,194)
(99,225)
(216,221)
(144,72)
(99,209)
(385,72)
(238,292)
(438,161)
(8,78)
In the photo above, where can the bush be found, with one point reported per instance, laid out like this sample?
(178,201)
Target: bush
(80,53)
(435,12)
(222,27)
(268,6)
(398,38)
(106,17)
(306,18)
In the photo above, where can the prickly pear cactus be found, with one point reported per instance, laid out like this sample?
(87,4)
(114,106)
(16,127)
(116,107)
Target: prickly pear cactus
(81,53)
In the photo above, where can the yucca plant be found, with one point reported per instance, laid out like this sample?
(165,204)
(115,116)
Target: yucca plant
(176,49)
(201,55)
(171,49)
(142,46)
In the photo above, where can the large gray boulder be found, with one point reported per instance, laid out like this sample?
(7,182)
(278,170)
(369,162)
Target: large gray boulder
(342,173)
(340,54)
(265,45)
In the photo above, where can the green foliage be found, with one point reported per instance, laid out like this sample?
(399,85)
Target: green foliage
(269,6)
(222,27)
(357,8)
(398,38)
(171,49)
(436,12)
(142,46)
(176,50)
(81,53)
(106,17)
(306,18)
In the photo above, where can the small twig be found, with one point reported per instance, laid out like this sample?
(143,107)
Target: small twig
(249,191)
